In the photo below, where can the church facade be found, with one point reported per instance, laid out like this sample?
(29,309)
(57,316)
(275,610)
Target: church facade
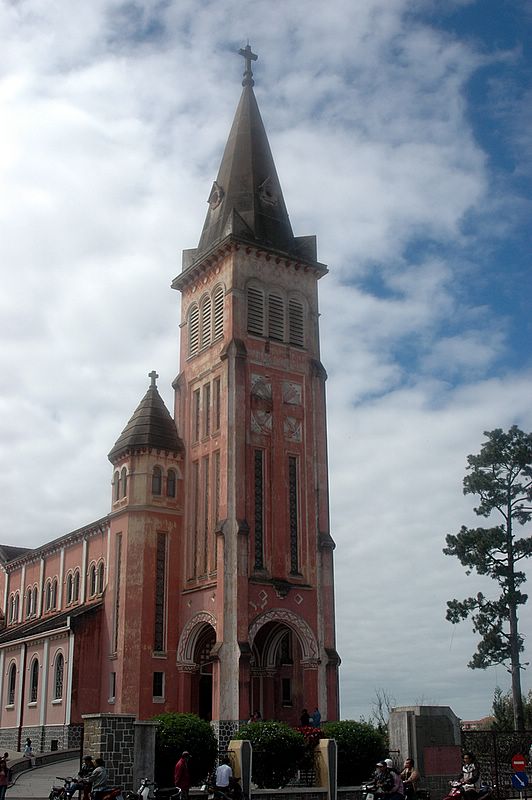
(209,586)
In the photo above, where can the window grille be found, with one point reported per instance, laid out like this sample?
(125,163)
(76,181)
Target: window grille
(158,685)
(156,481)
(99,577)
(118,574)
(69,588)
(12,685)
(53,598)
(58,676)
(116,486)
(92,580)
(193,330)
(196,415)
(160,593)
(259,509)
(218,302)
(217,404)
(48,597)
(206,320)
(171,483)
(207,409)
(293,513)
(206,503)
(28,602)
(123,482)
(295,323)
(34,681)
(255,311)
(276,317)
(75,595)
(34,601)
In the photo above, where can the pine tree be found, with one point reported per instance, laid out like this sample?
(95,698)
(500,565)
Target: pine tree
(501,476)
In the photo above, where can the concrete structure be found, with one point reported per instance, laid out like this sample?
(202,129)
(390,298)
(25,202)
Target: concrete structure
(431,736)
(209,585)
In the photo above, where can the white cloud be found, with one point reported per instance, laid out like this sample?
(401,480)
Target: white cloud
(114,117)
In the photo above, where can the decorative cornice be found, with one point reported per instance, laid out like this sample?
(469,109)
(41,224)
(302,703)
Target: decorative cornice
(99,527)
(325,541)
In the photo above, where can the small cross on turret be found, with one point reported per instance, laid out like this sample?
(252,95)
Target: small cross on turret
(249,56)
(153,376)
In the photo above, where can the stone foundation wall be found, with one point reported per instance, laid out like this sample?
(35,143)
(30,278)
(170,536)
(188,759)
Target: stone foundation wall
(63,737)
(112,737)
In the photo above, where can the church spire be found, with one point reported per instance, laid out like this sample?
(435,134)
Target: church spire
(246,199)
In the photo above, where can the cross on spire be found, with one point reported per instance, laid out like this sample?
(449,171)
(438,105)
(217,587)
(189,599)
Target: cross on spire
(153,376)
(246,53)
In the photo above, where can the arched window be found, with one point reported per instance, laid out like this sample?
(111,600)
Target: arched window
(29,595)
(58,676)
(218,306)
(116,486)
(99,578)
(69,588)
(193,330)
(255,311)
(34,681)
(11,684)
(53,603)
(48,596)
(170,483)
(34,600)
(92,580)
(123,482)
(276,317)
(16,606)
(206,320)
(75,588)
(296,330)
(156,481)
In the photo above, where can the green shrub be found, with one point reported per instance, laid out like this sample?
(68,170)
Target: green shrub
(178,732)
(277,752)
(360,746)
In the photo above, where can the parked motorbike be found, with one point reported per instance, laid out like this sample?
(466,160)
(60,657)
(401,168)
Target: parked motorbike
(60,792)
(233,791)
(468,791)
(149,790)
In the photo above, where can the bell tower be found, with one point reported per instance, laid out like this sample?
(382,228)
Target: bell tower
(256,584)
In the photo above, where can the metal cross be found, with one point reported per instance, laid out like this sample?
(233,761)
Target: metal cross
(249,56)
(153,375)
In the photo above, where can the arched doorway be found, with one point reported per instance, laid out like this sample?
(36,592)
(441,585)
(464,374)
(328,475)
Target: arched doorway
(202,657)
(277,685)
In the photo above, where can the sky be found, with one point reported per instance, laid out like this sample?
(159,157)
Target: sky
(401,131)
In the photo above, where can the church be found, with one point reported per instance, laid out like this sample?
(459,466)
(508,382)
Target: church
(208,587)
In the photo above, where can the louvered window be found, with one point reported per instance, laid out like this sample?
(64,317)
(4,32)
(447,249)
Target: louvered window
(193,330)
(255,311)
(295,323)
(218,302)
(205,338)
(276,317)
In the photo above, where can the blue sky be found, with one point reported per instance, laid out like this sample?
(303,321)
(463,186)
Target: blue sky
(401,134)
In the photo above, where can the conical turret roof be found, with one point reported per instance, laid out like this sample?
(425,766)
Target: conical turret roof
(246,199)
(151,426)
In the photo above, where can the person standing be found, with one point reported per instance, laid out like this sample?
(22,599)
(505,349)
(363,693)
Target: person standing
(182,774)
(316,718)
(98,779)
(224,773)
(410,778)
(4,778)
(305,719)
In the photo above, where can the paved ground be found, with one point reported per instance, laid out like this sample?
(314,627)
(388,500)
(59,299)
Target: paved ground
(36,783)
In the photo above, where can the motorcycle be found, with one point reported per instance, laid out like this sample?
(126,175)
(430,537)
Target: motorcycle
(60,792)
(468,791)
(149,790)
(232,792)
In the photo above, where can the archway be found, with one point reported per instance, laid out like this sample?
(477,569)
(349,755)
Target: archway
(194,662)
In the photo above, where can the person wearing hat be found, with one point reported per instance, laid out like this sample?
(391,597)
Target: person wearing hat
(182,774)
(395,790)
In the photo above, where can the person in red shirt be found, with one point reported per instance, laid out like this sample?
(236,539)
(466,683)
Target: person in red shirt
(182,774)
